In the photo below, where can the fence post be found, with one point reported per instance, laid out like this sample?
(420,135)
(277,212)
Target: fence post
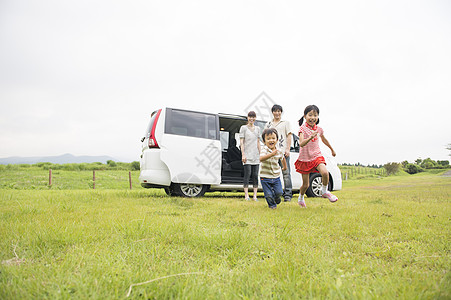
(346,176)
(50,177)
(93,179)
(130,179)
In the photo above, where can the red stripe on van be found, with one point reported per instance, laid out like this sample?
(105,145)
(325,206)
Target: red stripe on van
(152,141)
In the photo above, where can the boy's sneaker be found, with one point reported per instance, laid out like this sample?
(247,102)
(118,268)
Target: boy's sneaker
(278,200)
(332,198)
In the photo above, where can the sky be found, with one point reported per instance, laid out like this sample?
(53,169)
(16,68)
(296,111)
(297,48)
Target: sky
(83,77)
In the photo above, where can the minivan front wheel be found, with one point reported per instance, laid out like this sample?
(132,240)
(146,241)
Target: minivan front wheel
(316,182)
(189,190)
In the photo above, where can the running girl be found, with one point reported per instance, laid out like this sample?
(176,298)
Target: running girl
(310,158)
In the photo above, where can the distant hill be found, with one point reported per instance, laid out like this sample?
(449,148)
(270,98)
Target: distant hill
(61,159)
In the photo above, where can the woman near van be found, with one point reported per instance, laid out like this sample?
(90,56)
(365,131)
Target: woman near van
(250,149)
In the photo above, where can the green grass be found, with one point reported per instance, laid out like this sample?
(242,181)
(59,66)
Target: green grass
(386,238)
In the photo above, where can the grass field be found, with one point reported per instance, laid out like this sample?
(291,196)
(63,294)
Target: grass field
(386,238)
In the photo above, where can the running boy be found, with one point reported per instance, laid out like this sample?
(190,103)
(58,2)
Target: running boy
(270,169)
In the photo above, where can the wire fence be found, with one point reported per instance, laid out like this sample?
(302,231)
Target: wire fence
(37,179)
(357,172)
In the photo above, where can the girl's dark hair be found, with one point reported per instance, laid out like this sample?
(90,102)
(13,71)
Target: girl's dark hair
(252,114)
(307,110)
(269,131)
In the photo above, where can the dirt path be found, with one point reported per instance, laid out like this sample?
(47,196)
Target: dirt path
(448,173)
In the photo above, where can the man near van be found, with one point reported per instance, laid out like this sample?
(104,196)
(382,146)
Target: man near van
(284,131)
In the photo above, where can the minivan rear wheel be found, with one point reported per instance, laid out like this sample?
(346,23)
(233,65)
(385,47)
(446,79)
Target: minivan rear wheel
(316,182)
(189,190)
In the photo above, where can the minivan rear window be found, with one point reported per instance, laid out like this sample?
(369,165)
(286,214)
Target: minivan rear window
(194,124)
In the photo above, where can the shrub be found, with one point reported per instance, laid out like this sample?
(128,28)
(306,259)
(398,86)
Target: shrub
(392,168)
(428,164)
(44,165)
(443,163)
(111,163)
(135,165)
(413,169)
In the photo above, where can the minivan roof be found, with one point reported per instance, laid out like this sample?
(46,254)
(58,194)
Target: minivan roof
(222,115)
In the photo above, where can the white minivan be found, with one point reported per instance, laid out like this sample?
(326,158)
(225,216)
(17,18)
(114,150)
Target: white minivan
(189,153)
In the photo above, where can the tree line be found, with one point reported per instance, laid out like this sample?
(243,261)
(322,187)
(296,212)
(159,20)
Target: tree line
(419,165)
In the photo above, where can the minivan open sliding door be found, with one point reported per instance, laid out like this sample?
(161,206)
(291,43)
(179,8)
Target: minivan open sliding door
(191,148)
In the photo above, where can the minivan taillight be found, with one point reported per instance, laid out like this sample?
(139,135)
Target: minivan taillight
(152,141)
